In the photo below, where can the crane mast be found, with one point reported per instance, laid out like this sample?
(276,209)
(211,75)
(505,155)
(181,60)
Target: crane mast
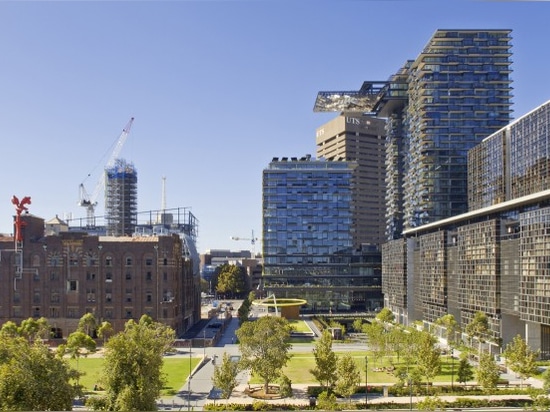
(90,202)
(252,240)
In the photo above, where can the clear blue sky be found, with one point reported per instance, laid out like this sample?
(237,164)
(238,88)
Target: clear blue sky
(217,89)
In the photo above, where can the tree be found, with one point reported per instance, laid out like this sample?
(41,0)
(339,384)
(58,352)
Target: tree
(521,358)
(325,371)
(34,328)
(225,376)
(478,328)
(264,346)
(488,372)
(428,357)
(451,327)
(105,330)
(231,280)
(348,376)
(385,316)
(32,378)
(78,344)
(465,371)
(87,324)
(132,375)
(376,336)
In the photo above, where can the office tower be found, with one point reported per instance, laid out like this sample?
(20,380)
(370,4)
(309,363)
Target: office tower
(308,233)
(121,198)
(360,138)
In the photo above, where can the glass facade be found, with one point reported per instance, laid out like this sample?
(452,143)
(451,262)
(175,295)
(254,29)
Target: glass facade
(308,230)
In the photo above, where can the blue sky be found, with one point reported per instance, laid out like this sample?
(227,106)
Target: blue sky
(217,89)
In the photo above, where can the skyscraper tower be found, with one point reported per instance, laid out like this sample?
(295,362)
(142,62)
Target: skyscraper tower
(458,93)
(438,106)
(121,198)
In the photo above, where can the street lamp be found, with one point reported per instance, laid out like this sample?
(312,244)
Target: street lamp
(410,393)
(189,381)
(366,380)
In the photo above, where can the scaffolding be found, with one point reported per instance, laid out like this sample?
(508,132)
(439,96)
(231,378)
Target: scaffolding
(121,198)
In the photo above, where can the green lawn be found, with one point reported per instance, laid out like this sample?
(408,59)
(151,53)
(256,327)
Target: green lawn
(175,369)
(297,369)
(299,325)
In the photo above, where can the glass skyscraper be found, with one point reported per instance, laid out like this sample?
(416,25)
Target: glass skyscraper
(308,233)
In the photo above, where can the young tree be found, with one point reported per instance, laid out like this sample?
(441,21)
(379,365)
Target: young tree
(132,375)
(478,328)
(348,376)
(465,371)
(264,346)
(451,329)
(521,358)
(385,316)
(78,344)
(428,357)
(225,376)
(105,330)
(488,372)
(87,324)
(325,371)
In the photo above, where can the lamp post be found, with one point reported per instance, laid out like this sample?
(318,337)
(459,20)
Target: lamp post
(410,393)
(189,381)
(366,380)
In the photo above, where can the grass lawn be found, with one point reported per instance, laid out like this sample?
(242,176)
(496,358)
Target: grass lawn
(297,369)
(175,369)
(299,325)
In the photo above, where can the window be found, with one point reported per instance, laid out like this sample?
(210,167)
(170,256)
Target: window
(108,261)
(128,261)
(148,276)
(149,262)
(72,285)
(128,276)
(108,277)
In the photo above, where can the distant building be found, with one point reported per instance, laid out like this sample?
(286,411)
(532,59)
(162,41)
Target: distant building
(308,234)
(212,259)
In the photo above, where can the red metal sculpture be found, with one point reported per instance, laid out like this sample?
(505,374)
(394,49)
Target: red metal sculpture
(19,208)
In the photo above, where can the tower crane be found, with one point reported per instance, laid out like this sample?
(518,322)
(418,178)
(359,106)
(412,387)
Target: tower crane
(90,202)
(252,240)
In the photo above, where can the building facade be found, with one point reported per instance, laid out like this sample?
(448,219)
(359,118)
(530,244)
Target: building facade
(308,234)
(359,138)
(493,258)
(68,273)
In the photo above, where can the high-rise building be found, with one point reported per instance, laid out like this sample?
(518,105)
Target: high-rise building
(438,106)
(458,93)
(360,138)
(492,259)
(308,234)
(121,198)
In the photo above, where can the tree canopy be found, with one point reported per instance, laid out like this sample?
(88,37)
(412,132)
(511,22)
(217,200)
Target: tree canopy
(325,371)
(132,374)
(521,358)
(225,376)
(264,345)
(231,280)
(31,376)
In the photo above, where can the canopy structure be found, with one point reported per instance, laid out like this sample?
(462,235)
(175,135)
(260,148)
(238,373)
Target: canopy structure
(289,307)
(363,100)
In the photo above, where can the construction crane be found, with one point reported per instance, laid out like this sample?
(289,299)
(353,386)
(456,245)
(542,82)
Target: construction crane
(252,240)
(90,202)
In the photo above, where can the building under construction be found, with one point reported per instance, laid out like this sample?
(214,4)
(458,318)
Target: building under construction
(121,198)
